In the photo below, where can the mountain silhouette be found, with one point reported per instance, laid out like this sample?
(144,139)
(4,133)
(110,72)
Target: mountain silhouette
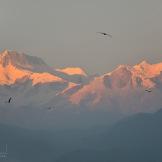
(136,138)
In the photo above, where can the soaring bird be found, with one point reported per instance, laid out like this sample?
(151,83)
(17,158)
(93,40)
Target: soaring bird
(105,34)
(148,90)
(50,108)
(9,100)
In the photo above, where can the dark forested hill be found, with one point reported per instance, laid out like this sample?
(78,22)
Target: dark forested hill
(136,138)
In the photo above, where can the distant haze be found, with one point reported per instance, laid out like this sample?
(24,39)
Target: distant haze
(63,32)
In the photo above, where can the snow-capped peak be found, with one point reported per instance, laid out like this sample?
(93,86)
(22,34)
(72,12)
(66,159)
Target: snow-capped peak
(144,62)
(22,61)
(148,70)
(72,71)
(16,66)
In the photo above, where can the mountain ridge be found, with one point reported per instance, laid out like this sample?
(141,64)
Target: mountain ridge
(73,87)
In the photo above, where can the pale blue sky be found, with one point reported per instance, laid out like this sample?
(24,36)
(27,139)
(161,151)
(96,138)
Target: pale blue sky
(63,32)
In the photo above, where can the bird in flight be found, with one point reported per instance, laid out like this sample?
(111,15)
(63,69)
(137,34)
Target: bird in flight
(105,34)
(50,108)
(9,100)
(148,90)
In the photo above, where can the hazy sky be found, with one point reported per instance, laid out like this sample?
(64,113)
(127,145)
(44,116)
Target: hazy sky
(63,32)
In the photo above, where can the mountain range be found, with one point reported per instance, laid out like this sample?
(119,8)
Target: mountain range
(36,87)
(65,114)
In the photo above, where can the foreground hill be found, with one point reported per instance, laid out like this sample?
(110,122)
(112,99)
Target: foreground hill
(137,138)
